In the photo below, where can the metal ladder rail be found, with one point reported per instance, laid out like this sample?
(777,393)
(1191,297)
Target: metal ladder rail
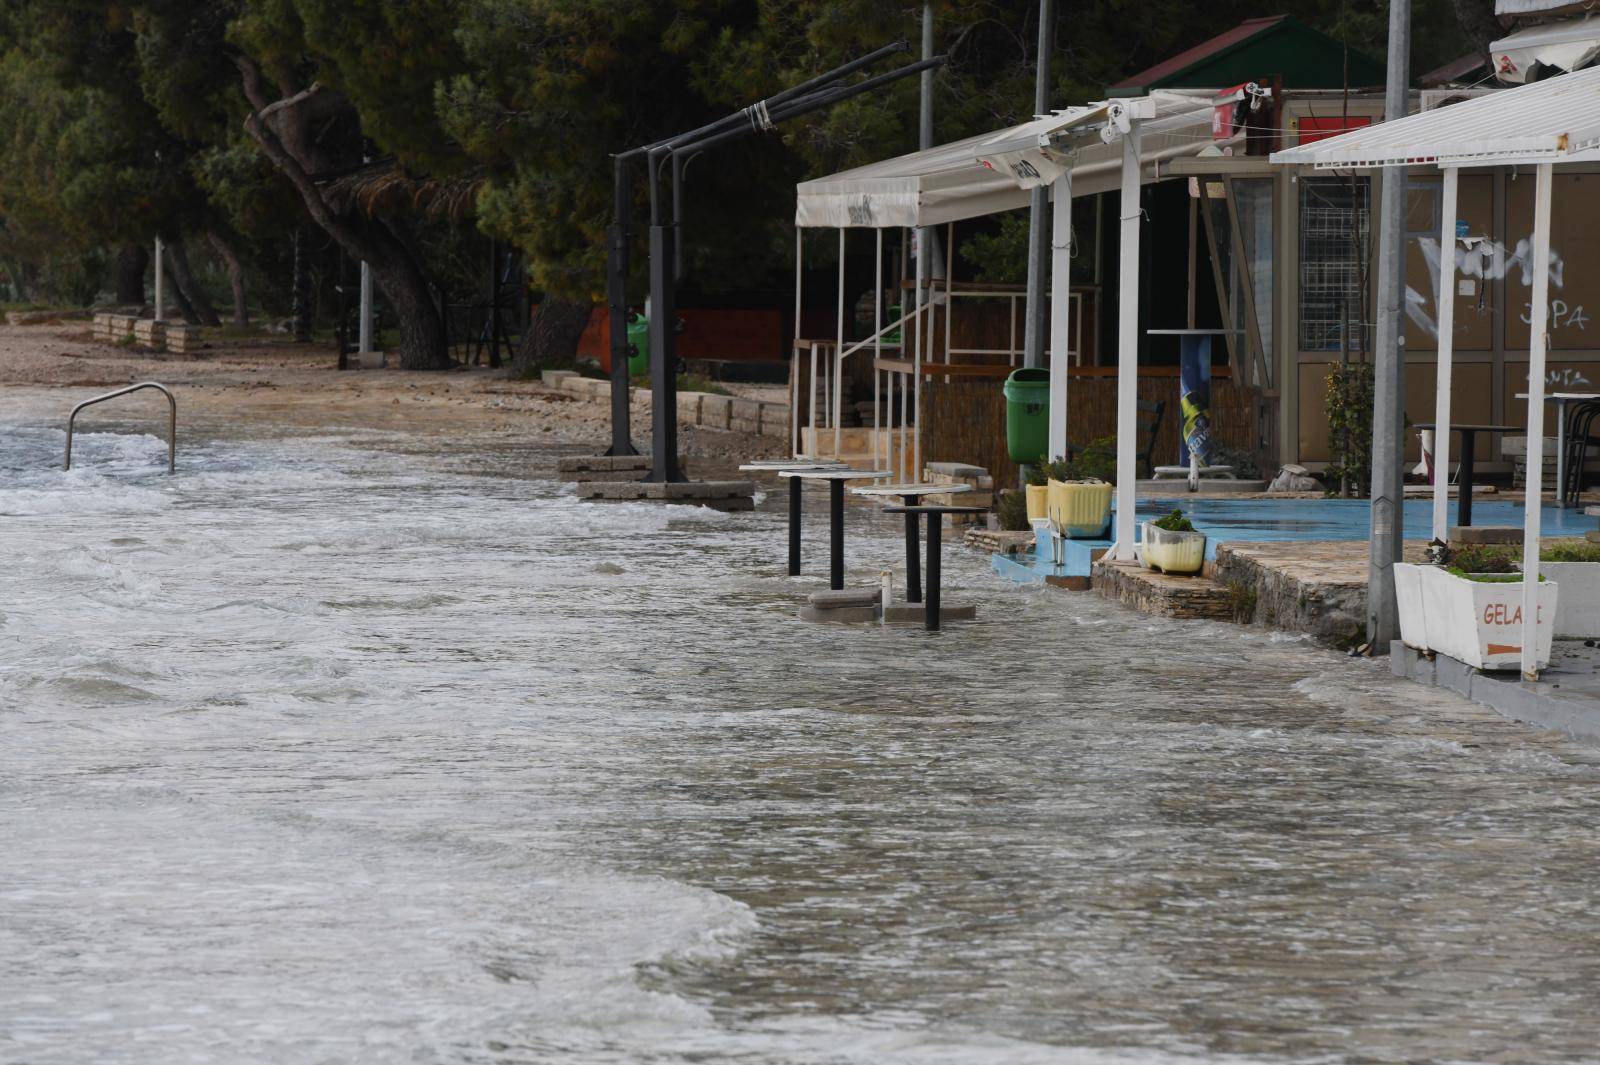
(172,419)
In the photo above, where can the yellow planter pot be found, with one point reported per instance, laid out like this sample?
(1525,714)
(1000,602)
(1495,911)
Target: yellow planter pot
(1037,496)
(1172,552)
(1081,508)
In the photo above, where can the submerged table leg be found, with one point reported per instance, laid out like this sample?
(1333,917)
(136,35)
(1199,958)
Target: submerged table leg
(836,534)
(1561,454)
(913,561)
(930,610)
(794,526)
(1464,505)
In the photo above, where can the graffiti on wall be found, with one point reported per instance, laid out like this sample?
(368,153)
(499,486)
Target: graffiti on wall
(1484,261)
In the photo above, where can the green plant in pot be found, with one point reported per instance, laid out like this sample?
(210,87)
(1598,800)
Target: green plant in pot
(1173,545)
(1077,502)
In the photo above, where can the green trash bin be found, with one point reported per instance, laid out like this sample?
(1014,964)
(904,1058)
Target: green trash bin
(638,345)
(1027,414)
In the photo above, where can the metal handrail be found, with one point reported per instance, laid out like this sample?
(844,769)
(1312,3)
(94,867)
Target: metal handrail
(172,419)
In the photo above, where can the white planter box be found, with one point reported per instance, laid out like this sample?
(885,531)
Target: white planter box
(1578,608)
(1172,552)
(1476,622)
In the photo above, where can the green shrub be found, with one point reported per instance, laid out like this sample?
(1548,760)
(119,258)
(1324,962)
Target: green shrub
(1174,522)
(1350,399)
(1013,511)
(1481,558)
(1578,551)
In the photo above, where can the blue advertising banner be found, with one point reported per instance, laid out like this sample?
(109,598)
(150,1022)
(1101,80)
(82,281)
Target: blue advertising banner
(1194,390)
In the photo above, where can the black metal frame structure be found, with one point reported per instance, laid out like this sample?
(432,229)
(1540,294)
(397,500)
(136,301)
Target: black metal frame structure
(665,257)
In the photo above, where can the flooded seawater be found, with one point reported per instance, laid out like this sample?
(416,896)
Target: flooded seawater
(319,753)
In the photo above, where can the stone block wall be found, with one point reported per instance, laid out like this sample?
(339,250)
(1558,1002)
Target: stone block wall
(705,409)
(149,333)
(976,477)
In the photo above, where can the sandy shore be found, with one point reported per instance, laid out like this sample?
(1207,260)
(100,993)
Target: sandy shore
(258,386)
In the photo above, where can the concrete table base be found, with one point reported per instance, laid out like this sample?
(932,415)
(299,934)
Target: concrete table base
(915,614)
(719,495)
(587,468)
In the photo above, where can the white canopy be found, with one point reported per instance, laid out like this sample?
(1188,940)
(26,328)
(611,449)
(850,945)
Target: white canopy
(985,174)
(1569,45)
(1544,123)
(1551,121)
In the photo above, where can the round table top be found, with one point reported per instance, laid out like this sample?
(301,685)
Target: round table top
(1457,426)
(910,489)
(836,473)
(800,463)
(1191,332)
(929,509)
(1549,396)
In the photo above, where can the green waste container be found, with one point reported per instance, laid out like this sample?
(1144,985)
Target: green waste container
(1027,414)
(638,345)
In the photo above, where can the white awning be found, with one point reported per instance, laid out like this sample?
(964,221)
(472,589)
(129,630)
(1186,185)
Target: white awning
(1570,45)
(1552,121)
(980,175)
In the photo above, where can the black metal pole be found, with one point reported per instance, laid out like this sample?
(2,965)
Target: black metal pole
(794,108)
(913,562)
(1469,444)
(930,611)
(617,305)
(492,323)
(836,533)
(794,525)
(663,359)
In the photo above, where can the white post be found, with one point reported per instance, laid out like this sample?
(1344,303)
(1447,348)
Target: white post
(838,364)
(1128,345)
(1533,491)
(916,360)
(1060,303)
(794,362)
(365,329)
(877,337)
(161,309)
(1447,343)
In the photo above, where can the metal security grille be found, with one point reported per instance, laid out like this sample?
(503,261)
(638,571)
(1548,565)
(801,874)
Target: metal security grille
(1335,247)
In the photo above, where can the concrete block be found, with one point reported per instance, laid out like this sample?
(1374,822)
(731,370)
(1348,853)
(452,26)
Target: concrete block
(715,411)
(1486,534)
(553,378)
(368,360)
(844,615)
(182,338)
(831,599)
(689,407)
(642,398)
(912,614)
(775,420)
(961,471)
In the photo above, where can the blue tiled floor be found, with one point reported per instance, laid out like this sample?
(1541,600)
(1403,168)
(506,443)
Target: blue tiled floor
(1341,519)
(1224,520)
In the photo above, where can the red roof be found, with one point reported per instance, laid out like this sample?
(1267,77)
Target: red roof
(1205,50)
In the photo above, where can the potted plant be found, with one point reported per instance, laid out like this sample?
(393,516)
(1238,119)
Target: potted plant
(1078,506)
(1468,605)
(1575,568)
(1037,489)
(1172,545)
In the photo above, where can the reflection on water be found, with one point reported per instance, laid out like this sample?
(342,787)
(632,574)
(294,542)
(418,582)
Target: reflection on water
(310,754)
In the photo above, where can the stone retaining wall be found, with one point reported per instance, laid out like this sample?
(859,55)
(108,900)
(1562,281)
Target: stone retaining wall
(176,337)
(705,409)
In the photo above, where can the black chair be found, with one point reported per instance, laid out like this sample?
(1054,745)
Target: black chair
(1151,413)
(1580,438)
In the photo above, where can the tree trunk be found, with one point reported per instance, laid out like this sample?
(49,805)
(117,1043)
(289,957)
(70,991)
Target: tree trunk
(282,128)
(197,308)
(132,261)
(230,260)
(552,335)
(1477,20)
(300,291)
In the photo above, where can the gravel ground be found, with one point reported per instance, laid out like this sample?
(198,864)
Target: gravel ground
(269,383)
